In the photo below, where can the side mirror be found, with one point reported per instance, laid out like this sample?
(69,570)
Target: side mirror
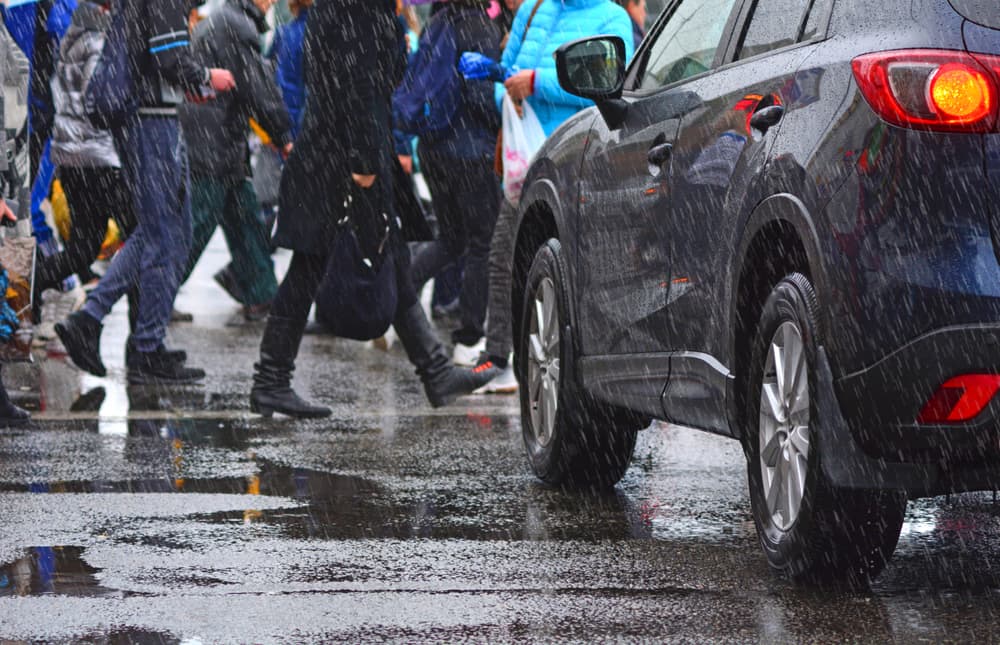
(594,68)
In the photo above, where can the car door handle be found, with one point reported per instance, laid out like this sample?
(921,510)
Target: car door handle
(660,154)
(766,118)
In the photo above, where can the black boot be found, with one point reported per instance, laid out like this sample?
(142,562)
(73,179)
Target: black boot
(160,367)
(443,382)
(10,414)
(272,380)
(81,336)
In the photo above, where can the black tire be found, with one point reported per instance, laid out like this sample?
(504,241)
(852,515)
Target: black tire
(587,444)
(838,536)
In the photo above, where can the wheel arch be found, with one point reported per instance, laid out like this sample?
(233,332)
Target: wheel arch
(539,219)
(780,237)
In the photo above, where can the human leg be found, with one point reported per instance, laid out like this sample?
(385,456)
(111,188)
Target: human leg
(483,187)
(208,198)
(249,246)
(446,181)
(499,342)
(86,192)
(272,381)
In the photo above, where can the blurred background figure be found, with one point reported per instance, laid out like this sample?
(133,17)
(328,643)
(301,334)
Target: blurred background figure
(637,12)
(217,133)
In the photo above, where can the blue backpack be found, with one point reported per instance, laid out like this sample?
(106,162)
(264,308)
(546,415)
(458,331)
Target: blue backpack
(427,100)
(109,98)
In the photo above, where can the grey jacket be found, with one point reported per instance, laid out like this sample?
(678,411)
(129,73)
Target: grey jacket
(216,131)
(14,80)
(75,141)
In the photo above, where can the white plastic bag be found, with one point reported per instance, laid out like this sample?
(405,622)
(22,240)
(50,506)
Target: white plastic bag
(522,138)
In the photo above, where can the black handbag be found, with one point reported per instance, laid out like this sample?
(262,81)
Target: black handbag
(358,295)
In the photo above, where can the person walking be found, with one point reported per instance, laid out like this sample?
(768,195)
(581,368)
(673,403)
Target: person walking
(163,71)
(286,52)
(637,12)
(13,76)
(540,27)
(87,161)
(217,131)
(458,163)
(341,166)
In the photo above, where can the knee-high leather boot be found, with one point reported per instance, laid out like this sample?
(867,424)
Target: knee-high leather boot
(443,382)
(272,380)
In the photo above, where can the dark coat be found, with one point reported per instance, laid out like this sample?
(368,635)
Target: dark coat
(354,61)
(216,131)
(474,127)
(163,67)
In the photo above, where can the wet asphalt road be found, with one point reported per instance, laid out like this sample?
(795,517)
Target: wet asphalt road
(175,516)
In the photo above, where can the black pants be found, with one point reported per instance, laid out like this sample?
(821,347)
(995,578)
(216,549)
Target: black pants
(466,194)
(94,195)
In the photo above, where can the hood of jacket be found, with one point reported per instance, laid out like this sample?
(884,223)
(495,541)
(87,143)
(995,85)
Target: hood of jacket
(255,14)
(89,16)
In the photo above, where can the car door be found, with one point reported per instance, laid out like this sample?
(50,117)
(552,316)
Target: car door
(720,160)
(624,254)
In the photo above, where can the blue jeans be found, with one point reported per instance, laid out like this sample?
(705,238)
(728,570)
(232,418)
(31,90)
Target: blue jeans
(155,255)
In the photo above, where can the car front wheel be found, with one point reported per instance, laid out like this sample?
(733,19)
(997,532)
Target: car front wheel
(809,529)
(570,438)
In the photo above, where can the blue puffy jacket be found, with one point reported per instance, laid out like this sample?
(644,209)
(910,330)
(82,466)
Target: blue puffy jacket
(556,23)
(286,51)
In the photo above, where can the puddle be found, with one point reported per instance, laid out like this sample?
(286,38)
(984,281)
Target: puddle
(48,570)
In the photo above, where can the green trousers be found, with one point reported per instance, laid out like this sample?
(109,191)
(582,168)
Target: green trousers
(233,205)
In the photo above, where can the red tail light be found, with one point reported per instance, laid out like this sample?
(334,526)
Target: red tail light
(930,89)
(960,399)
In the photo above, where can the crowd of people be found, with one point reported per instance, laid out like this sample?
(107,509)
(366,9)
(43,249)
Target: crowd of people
(329,97)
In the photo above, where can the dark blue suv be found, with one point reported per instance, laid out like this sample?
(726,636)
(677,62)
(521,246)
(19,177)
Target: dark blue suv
(781,223)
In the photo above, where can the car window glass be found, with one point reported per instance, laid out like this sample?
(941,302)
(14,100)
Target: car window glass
(818,14)
(773,24)
(687,43)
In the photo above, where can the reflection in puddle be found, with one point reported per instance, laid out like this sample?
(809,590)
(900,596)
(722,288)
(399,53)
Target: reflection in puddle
(51,570)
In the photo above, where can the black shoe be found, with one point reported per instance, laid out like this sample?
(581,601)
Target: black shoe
(12,416)
(160,368)
(272,380)
(90,401)
(180,316)
(227,280)
(443,382)
(178,355)
(265,401)
(81,336)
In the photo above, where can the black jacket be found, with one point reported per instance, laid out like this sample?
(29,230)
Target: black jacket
(474,127)
(216,131)
(353,62)
(163,67)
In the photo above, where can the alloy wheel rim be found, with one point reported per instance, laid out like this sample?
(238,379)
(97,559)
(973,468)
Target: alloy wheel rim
(544,363)
(784,434)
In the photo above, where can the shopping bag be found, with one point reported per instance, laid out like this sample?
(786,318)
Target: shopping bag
(17,257)
(522,138)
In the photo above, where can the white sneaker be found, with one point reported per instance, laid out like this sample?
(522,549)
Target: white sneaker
(465,356)
(503,383)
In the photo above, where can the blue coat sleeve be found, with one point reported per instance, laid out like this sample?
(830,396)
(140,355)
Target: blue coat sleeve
(513,48)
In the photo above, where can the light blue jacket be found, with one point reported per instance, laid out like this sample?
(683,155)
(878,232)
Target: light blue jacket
(558,22)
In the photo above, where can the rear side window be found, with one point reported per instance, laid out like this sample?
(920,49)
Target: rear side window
(985,12)
(778,23)
(687,43)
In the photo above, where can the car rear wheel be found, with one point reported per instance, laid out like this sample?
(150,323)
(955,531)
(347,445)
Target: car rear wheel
(570,438)
(808,529)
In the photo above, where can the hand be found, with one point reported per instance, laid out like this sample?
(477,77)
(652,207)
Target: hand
(364,181)
(6,213)
(406,161)
(221,80)
(521,85)
(519,108)
(287,150)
